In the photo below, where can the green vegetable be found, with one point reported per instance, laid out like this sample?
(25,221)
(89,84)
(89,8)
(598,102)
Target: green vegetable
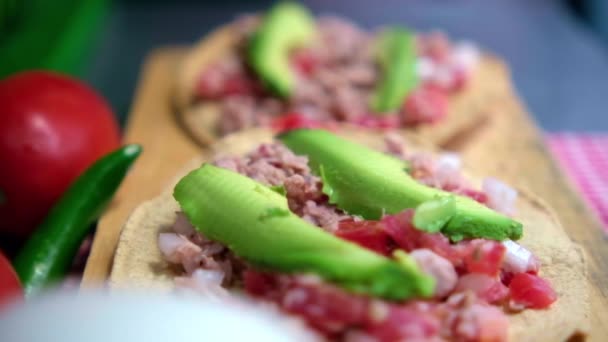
(370,184)
(255,222)
(397,59)
(286,26)
(279,189)
(432,215)
(48,254)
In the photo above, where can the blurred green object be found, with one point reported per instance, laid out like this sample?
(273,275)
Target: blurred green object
(48,34)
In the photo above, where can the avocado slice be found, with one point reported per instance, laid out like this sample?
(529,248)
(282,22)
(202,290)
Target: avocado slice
(255,222)
(396,56)
(368,183)
(287,25)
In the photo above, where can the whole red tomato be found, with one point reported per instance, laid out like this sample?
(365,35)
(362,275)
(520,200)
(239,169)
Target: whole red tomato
(52,127)
(10,287)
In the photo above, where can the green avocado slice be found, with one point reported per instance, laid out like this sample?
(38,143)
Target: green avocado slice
(368,183)
(254,222)
(286,26)
(396,56)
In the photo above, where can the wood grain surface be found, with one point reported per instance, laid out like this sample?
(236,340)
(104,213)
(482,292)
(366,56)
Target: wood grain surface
(507,145)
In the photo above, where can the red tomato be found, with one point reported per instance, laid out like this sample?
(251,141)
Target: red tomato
(484,257)
(52,127)
(400,228)
(260,284)
(531,291)
(10,287)
(292,121)
(368,234)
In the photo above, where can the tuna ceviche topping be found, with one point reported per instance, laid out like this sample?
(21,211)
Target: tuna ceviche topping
(289,66)
(360,245)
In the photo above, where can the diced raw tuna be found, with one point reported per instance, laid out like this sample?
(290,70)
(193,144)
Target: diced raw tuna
(484,286)
(425,104)
(404,324)
(531,291)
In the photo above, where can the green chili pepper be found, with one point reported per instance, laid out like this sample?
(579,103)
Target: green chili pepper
(48,254)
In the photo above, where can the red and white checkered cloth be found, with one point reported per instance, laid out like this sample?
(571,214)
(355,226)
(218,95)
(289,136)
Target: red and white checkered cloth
(584,157)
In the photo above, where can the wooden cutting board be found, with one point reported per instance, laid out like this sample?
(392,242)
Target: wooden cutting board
(508,145)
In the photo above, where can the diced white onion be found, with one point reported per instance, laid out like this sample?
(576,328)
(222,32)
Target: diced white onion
(501,197)
(517,258)
(168,243)
(465,55)
(426,68)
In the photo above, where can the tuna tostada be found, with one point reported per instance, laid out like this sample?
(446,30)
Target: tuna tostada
(373,240)
(288,67)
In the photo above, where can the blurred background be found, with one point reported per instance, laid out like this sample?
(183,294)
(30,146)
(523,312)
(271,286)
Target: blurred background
(557,49)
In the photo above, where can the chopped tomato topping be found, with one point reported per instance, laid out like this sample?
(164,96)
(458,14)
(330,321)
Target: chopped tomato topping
(425,104)
(305,62)
(484,256)
(368,234)
(531,291)
(400,228)
(291,121)
(260,284)
(485,287)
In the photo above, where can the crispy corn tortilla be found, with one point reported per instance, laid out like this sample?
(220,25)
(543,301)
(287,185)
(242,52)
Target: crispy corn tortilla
(138,261)
(467,108)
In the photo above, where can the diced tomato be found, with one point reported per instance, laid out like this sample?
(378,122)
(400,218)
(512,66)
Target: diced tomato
(377,121)
(425,104)
(483,256)
(531,291)
(403,323)
(260,284)
(325,307)
(478,196)
(368,234)
(400,228)
(485,287)
(305,62)
(291,121)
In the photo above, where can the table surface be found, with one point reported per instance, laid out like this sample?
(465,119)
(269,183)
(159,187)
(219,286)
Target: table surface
(559,67)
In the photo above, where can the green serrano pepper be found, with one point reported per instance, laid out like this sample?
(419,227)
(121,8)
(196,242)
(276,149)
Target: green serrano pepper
(48,254)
